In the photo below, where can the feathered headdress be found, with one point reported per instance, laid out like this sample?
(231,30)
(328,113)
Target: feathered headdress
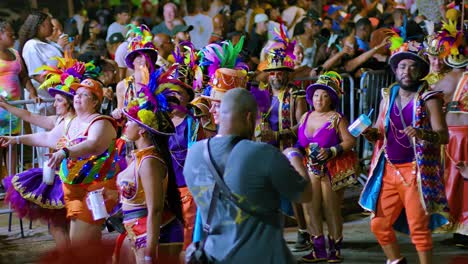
(408,46)
(188,70)
(447,41)
(224,67)
(281,58)
(153,103)
(329,81)
(141,44)
(67,72)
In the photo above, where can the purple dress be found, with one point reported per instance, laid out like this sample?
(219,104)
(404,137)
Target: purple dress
(341,169)
(178,148)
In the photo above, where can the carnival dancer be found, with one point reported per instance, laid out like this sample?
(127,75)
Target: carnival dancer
(141,58)
(278,124)
(148,191)
(331,164)
(224,71)
(188,128)
(405,184)
(447,74)
(28,194)
(87,163)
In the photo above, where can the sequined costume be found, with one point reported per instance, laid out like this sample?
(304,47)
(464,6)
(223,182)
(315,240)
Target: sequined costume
(340,170)
(85,174)
(133,201)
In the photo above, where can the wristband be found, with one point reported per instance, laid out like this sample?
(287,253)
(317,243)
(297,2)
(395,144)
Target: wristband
(66,152)
(148,258)
(17,140)
(429,135)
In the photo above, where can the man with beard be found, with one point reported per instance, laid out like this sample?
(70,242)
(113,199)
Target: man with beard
(405,187)
(278,125)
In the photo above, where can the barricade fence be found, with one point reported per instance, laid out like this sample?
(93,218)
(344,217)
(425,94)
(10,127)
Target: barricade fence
(24,157)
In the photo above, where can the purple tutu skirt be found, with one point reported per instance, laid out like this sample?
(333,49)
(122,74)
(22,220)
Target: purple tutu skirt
(31,198)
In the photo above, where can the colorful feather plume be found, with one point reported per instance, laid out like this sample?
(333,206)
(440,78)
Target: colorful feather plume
(446,42)
(281,35)
(67,71)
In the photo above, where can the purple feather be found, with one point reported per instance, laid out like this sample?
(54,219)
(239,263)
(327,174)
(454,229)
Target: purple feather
(262,97)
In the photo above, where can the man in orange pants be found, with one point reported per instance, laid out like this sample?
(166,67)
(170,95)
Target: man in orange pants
(405,185)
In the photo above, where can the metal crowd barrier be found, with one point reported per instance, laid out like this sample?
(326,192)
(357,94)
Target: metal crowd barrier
(371,84)
(21,161)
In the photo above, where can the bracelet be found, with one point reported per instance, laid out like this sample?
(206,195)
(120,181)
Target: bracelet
(66,152)
(17,140)
(429,135)
(333,151)
(148,258)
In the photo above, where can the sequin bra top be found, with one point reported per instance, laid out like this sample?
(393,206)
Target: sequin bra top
(89,169)
(130,185)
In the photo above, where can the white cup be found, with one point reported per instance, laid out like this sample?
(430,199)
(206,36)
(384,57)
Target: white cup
(359,125)
(48,174)
(95,202)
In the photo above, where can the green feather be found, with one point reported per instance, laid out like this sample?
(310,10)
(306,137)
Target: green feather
(396,41)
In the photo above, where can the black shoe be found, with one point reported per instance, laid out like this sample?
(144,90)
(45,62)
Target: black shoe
(460,240)
(303,242)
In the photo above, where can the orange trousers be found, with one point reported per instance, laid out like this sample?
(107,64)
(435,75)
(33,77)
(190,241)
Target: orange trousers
(189,212)
(394,196)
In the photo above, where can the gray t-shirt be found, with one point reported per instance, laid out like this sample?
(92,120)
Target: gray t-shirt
(255,171)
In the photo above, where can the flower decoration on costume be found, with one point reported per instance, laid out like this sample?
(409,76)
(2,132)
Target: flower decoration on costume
(447,41)
(153,103)
(67,72)
(282,36)
(141,44)
(447,44)
(188,70)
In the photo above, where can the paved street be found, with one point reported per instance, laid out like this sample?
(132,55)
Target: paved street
(360,246)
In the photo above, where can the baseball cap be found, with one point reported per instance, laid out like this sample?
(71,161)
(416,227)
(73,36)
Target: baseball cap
(260,18)
(181,28)
(116,38)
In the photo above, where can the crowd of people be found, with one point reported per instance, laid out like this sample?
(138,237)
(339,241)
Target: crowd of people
(188,122)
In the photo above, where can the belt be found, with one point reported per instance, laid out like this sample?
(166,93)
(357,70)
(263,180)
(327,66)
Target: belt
(132,214)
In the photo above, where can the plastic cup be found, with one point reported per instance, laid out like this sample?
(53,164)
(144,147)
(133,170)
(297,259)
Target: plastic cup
(48,174)
(359,125)
(95,202)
